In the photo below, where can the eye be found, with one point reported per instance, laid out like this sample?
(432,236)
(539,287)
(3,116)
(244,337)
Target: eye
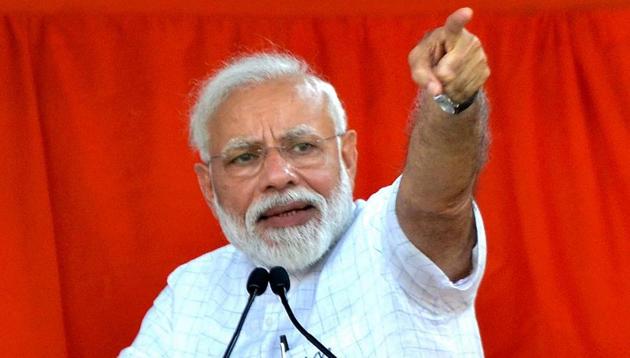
(244,159)
(303,148)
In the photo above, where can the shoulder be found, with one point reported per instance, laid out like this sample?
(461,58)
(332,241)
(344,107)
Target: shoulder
(376,213)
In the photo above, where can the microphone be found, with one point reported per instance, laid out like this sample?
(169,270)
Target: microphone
(256,285)
(280,284)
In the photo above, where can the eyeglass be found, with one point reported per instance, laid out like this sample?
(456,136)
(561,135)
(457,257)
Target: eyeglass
(301,152)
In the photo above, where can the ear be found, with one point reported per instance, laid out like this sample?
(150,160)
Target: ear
(205,183)
(349,153)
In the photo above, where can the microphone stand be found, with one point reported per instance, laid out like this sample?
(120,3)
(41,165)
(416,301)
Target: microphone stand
(230,346)
(280,284)
(256,284)
(313,340)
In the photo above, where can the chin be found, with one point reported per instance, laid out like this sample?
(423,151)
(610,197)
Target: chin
(295,247)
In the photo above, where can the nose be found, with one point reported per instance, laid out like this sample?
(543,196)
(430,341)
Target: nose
(276,172)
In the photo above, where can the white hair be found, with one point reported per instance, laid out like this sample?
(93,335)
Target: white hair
(295,248)
(250,70)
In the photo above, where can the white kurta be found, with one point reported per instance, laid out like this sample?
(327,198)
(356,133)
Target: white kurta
(373,295)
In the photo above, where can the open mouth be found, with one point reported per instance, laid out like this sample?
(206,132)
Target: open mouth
(288,215)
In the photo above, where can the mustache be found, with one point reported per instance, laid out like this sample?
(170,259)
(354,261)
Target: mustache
(257,209)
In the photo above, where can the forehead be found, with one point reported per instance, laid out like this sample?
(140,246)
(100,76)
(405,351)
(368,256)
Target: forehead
(270,110)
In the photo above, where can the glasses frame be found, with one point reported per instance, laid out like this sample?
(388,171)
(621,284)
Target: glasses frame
(264,151)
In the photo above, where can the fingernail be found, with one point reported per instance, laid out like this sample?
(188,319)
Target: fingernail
(433,88)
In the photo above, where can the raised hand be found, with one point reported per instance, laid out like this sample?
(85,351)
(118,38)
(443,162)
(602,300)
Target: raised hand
(450,60)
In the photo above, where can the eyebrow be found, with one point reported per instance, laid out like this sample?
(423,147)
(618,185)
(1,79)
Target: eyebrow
(247,142)
(238,143)
(299,131)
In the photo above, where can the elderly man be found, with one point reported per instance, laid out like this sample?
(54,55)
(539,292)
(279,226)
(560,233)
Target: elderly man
(395,275)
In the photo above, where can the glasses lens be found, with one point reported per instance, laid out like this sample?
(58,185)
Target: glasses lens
(299,152)
(304,152)
(243,161)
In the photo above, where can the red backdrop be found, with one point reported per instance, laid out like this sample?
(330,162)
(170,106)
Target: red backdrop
(98,200)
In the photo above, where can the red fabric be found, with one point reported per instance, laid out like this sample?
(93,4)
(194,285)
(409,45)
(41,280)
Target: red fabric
(98,200)
(298,7)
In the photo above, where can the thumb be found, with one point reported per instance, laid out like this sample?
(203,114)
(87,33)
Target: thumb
(421,65)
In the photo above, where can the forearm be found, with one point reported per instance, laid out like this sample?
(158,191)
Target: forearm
(446,153)
(434,205)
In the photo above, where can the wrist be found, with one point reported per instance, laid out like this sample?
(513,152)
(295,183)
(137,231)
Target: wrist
(449,106)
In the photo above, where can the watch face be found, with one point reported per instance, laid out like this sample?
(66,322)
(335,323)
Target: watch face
(445,103)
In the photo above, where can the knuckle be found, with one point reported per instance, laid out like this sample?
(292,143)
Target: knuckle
(419,76)
(413,55)
(475,42)
(446,77)
(429,34)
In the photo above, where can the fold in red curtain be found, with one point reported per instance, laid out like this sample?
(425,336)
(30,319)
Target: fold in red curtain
(98,200)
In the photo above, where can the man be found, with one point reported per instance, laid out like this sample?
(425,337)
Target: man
(393,276)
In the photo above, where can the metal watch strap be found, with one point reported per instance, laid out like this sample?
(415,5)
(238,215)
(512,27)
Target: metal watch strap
(450,107)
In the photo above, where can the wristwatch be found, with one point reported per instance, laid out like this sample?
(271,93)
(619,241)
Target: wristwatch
(450,107)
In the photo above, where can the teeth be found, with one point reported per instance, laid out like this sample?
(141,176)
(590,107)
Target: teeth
(288,213)
(283,214)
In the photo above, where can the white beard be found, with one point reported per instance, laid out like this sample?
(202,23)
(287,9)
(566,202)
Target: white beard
(295,248)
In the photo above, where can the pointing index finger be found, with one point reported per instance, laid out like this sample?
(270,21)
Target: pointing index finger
(456,21)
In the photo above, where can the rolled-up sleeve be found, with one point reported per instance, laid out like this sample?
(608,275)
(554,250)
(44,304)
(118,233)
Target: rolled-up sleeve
(422,279)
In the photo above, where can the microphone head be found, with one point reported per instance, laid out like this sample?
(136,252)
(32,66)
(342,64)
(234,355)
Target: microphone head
(279,280)
(257,281)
